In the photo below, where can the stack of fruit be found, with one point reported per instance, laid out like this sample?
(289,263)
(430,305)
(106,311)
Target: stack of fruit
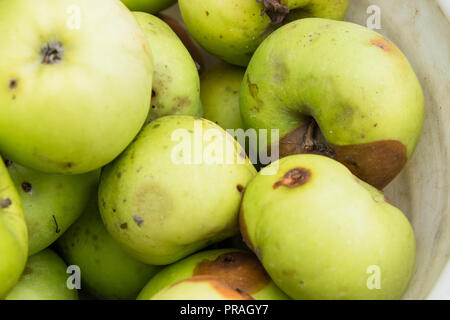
(108,166)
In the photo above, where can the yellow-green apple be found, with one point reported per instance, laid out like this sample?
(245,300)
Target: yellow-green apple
(176,84)
(44,278)
(75,83)
(150,6)
(107,271)
(322,233)
(201,288)
(220,87)
(338,89)
(175,190)
(233,29)
(13,234)
(51,202)
(239,269)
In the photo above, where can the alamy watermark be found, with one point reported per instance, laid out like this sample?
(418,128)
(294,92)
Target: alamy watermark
(374,20)
(214,146)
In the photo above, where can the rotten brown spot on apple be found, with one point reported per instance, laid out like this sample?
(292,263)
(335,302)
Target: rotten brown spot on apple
(239,270)
(376,163)
(294,178)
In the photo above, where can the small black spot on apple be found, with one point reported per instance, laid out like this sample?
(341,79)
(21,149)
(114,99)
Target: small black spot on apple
(27,187)
(8,163)
(13,84)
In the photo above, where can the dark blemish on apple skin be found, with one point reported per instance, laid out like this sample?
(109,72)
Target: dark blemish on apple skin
(139,221)
(139,169)
(27,187)
(8,163)
(69,165)
(153,93)
(114,210)
(124,226)
(240,188)
(52,52)
(375,125)
(294,178)
(27,271)
(56,223)
(119,175)
(5,203)
(124,200)
(13,84)
(207,13)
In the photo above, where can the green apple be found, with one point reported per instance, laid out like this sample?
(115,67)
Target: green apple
(175,190)
(51,202)
(322,233)
(324,95)
(13,234)
(237,268)
(150,6)
(187,40)
(75,83)
(44,278)
(201,288)
(176,84)
(107,271)
(220,87)
(232,30)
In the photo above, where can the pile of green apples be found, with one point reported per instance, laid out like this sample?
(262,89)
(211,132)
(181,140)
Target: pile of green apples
(103,111)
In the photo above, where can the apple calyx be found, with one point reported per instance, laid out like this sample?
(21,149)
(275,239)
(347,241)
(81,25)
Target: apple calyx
(52,52)
(275,10)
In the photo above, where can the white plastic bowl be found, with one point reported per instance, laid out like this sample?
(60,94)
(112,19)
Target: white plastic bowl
(421,28)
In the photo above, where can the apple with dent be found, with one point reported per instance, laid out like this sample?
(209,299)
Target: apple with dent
(339,90)
(322,233)
(175,190)
(75,83)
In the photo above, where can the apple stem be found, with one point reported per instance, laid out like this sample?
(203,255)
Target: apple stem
(275,10)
